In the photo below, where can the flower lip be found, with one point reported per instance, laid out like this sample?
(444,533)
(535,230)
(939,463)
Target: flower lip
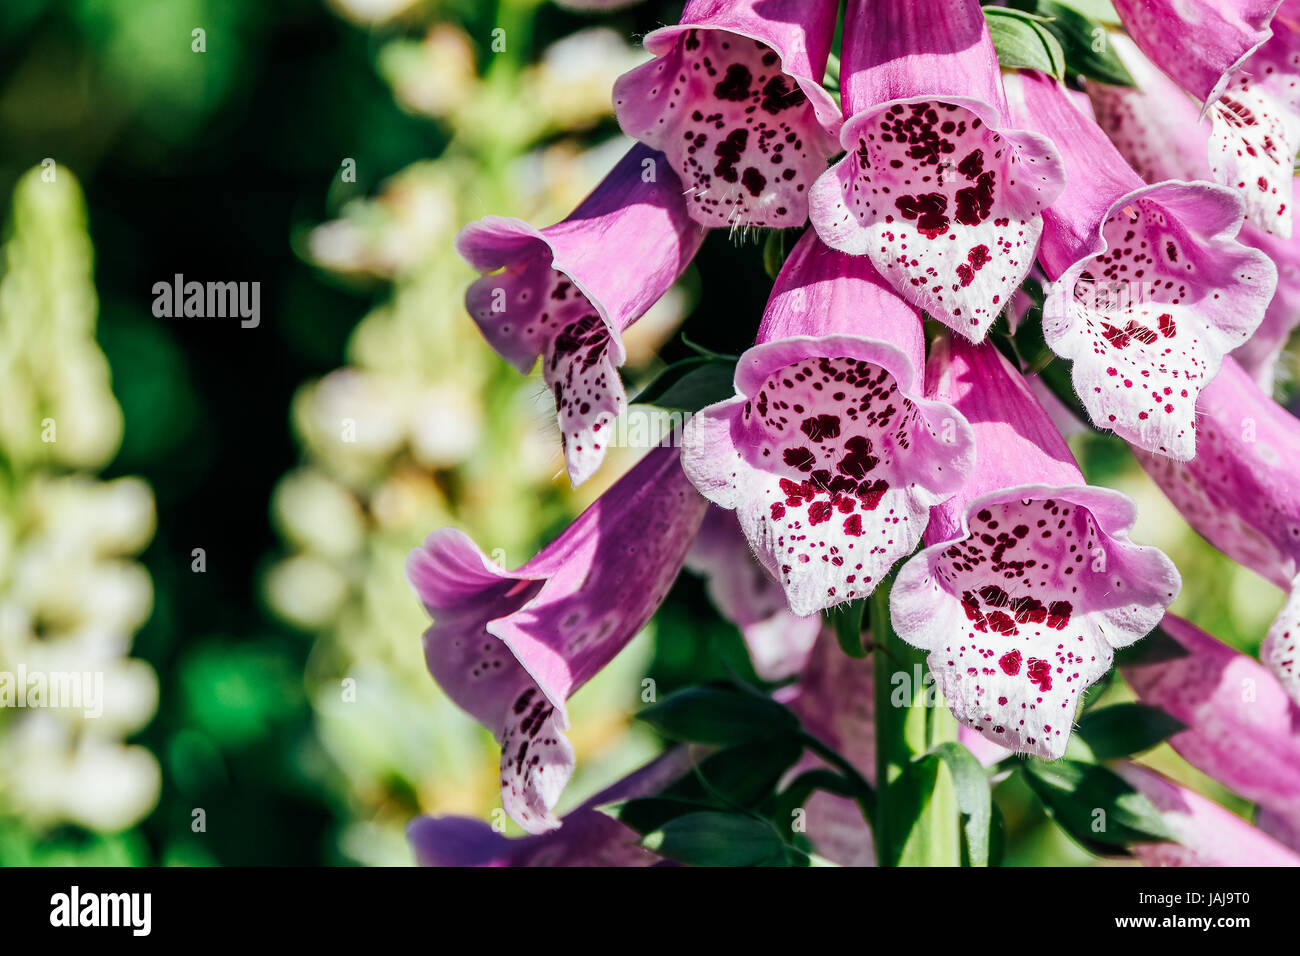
(768,152)
(796,66)
(496,243)
(998,207)
(1203,219)
(984,662)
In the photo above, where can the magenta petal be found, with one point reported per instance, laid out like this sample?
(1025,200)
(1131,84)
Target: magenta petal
(734,98)
(1245,142)
(836,704)
(589,837)
(748,596)
(1207,834)
(565,293)
(1200,43)
(1240,491)
(511,646)
(935,189)
(1242,730)
(1259,355)
(829,455)
(1029,580)
(1151,286)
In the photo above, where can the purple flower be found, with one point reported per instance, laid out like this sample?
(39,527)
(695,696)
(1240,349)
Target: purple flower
(1259,355)
(1200,43)
(943,198)
(511,646)
(835,701)
(1028,581)
(829,454)
(1246,140)
(1151,286)
(1242,729)
(734,99)
(589,836)
(741,588)
(1207,834)
(1240,492)
(566,293)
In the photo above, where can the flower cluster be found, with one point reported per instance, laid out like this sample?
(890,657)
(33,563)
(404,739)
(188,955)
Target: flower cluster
(886,431)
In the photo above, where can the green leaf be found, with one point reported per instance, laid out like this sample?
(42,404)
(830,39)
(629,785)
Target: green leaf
(711,838)
(1086,44)
(848,619)
(742,776)
(1121,730)
(690,384)
(1023,41)
(713,715)
(1156,648)
(974,798)
(1094,805)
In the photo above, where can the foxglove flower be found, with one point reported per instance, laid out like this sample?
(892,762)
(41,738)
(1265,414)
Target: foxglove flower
(1246,140)
(1200,43)
(747,595)
(1152,286)
(509,647)
(589,836)
(1206,833)
(829,454)
(566,293)
(1028,582)
(1240,492)
(935,189)
(836,704)
(1259,355)
(734,99)
(1242,729)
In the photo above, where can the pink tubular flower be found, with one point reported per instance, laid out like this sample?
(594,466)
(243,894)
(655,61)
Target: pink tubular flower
(511,646)
(1242,729)
(1200,43)
(1207,834)
(734,98)
(836,704)
(1028,581)
(1259,355)
(745,594)
(565,293)
(829,454)
(943,198)
(1240,492)
(589,837)
(1246,141)
(1152,286)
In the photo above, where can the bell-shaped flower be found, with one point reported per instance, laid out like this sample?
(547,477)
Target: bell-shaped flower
(835,701)
(1199,43)
(1206,834)
(747,595)
(734,99)
(509,647)
(936,189)
(1259,355)
(589,837)
(1246,140)
(566,293)
(1242,494)
(829,454)
(1242,729)
(1029,581)
(1151,285)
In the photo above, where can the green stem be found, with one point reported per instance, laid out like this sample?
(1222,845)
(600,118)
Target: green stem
(914,827)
